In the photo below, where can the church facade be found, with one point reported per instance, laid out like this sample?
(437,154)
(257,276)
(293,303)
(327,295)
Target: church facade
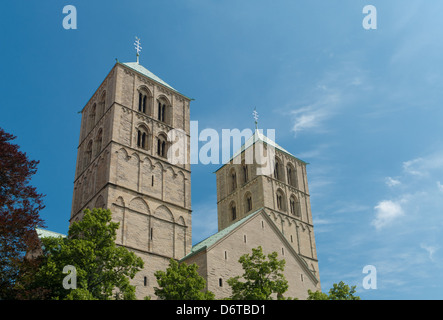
(123,165)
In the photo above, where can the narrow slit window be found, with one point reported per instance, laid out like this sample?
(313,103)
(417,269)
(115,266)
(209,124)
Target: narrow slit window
(144,104)
(144,140)
(163,113)
(233,213)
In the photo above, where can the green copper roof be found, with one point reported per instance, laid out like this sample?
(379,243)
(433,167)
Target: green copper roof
(140,69)
(259,136)
(43,233)
(206,243)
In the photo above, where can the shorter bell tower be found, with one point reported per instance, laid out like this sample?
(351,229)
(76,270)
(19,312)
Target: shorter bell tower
(279,185)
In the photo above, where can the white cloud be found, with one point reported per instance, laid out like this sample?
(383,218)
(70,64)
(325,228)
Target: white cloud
(440,186)
(392,182)
(386,212)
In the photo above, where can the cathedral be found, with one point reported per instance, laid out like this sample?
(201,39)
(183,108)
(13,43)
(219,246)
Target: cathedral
(122,165)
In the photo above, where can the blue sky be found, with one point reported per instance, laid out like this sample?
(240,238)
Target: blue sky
(363,107)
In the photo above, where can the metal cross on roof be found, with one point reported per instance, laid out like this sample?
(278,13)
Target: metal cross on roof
(255,114)
(138,47)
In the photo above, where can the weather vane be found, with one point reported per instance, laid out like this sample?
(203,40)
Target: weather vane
(255,114)
(138,47)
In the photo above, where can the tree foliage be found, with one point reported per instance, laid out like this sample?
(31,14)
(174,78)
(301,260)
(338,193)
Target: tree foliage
(19,214)
(103,269)
(340,291)
(263,276)
(181,282)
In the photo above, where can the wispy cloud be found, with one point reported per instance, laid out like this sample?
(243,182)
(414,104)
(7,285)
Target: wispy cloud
(413,167)
(331,93)
(391,182)
(430,250)
(422,166)
(312,117)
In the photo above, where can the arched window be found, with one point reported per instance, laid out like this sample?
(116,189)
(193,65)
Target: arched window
(98,142)
(291,174)
(162,146)
(142,137)
(233,210)
(248,202)
(144,98)
(163,110)
(281,200)
(278,170)
(288,174)
(294,206)
(91,122)
(88,154)
(276,167)
(245,172)
(233,180)
(101,104)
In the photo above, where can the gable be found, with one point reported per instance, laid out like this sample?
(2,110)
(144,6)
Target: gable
(257,229)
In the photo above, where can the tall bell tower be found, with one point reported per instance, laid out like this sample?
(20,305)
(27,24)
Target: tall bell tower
(123,165)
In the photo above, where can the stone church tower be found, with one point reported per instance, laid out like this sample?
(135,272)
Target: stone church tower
(242,188)
(261,203)
(122,165)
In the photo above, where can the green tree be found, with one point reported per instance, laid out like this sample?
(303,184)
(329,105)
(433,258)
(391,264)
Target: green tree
(262,277)
(102,268)
(181,282)
(340,291)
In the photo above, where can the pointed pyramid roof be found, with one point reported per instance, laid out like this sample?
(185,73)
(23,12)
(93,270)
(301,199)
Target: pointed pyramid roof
(258,136)
(142,70)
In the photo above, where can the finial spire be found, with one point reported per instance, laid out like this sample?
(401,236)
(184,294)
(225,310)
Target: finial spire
(138,47)
(255,114)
